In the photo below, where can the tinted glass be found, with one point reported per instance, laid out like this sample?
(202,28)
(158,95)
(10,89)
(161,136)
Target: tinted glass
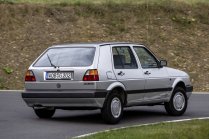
(67,57)
(147,60)
(123,58)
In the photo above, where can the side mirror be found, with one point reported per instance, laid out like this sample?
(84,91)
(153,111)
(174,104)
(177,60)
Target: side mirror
(163,63)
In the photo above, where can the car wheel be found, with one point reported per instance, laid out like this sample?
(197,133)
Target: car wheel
(178,103)
(44,113)
(113,110)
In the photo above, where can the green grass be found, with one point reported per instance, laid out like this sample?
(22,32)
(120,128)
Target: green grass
(8,70)
(194,129)
(87,1)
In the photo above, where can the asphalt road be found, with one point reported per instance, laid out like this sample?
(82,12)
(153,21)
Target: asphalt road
(18,121)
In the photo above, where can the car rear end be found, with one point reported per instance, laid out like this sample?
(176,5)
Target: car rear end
(65,76)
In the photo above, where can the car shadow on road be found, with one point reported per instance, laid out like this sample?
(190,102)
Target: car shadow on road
(143,116)
(94,117)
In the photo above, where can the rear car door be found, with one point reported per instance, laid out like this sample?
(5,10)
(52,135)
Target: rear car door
(157,80)
(128,72)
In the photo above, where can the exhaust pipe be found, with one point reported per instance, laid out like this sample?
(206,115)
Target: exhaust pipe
(39,106)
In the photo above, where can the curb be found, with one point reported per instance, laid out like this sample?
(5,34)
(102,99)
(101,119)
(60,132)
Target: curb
(172,121)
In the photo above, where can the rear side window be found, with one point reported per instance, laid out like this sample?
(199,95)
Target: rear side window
(123,58)
(67,57)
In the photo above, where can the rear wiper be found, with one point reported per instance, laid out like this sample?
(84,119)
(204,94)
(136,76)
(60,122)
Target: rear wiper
(51,62)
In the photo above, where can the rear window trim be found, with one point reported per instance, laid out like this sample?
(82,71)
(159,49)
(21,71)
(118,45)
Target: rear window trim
(59,48)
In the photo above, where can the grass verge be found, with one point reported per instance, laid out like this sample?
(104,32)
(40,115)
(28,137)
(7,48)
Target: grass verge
(194,129)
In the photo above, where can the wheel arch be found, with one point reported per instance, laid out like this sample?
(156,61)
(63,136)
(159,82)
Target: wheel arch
(117,87)
(181,84)
(177,83)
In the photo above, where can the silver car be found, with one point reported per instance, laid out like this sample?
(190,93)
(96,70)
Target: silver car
(106,76)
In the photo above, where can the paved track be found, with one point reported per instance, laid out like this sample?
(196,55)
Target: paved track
(18,121)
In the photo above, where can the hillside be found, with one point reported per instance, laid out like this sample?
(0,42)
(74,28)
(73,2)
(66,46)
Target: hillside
(175,31)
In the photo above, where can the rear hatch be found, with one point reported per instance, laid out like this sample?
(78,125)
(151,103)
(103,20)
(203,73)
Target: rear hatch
(63,68)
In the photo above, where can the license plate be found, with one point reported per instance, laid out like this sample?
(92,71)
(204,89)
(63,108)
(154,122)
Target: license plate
(59,76)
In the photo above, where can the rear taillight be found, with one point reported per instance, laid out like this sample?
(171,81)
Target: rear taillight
(91,75)
(30,76)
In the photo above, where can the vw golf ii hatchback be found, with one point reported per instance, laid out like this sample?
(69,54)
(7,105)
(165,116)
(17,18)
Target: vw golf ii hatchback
(106,76)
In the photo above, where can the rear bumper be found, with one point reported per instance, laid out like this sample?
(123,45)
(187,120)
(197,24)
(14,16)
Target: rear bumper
(189,90)
(66,98)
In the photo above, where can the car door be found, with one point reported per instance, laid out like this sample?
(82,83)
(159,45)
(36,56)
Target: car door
(128,72)
(157,80)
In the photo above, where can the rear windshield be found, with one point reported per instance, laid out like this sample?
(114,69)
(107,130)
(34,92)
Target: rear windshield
(67,57)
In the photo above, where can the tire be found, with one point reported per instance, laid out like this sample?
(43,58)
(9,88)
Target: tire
(110,114)
(178,102)
(44,113)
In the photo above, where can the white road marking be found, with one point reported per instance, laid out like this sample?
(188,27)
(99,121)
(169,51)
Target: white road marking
(173,121)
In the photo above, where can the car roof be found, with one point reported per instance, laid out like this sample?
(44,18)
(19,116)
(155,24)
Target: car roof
(93,43)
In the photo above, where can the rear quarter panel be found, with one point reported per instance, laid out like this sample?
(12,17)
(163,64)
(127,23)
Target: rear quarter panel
(106,74)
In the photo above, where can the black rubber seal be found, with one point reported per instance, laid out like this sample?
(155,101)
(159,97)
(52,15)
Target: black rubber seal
(189,88)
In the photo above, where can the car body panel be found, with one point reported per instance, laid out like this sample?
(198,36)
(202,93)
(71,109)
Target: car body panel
(65,102)
(139,88)
(78,74)
(133,79)
(116,84)
(156,83)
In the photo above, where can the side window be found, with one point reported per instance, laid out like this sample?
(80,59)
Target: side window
(147,60)
(123,58)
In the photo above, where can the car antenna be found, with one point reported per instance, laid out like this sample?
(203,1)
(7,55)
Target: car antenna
(51,62)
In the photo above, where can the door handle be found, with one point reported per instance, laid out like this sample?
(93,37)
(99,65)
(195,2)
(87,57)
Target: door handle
(147,73)
(121,73)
